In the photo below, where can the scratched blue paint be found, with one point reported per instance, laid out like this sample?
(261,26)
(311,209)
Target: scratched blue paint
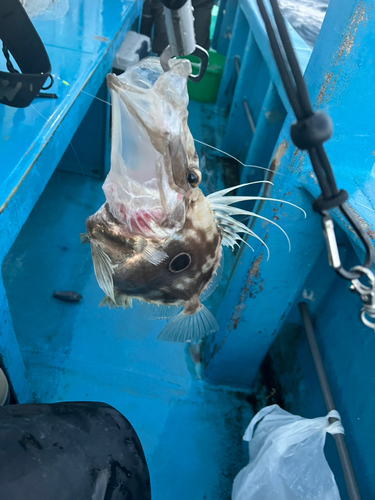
(269,123)
(226,26)
(237,139)
(236,48)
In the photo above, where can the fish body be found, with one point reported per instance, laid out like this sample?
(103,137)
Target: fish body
(157,238)
(189,258)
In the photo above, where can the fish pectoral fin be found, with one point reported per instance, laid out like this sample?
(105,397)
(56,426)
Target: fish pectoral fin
(84,238)
(104,270)
(190,327)
(121,301)
(153,254)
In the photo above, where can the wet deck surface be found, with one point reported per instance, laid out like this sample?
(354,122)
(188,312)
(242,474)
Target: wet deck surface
(191,432)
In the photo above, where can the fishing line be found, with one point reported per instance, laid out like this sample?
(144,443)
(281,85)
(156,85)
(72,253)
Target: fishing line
(239,161)
(98,98)
(70,142)
(195,140)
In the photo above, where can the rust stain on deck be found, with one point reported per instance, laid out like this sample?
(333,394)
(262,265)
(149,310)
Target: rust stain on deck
(296,165)
(252,275)
(276,160)
(370,232)
(360,16)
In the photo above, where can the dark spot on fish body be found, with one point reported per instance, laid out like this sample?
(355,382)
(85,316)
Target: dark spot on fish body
(188,224)
(179,263)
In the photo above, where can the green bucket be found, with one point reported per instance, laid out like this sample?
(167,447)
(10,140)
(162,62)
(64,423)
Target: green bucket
(206,90)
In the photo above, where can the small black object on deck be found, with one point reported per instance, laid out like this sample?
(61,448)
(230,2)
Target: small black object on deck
(67,296)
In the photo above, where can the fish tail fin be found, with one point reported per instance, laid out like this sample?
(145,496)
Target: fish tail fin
(189,327)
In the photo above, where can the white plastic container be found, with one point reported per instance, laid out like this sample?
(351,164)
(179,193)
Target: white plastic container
(127,53)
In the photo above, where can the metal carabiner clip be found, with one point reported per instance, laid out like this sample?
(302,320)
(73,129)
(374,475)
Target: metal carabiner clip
(367,294)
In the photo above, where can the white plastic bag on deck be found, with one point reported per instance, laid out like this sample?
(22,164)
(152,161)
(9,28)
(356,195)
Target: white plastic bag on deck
(287,460)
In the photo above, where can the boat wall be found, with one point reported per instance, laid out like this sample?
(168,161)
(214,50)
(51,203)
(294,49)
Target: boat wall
(261,297)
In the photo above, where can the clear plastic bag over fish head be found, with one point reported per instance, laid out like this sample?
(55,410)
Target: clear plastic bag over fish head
(152,148)
(287,459)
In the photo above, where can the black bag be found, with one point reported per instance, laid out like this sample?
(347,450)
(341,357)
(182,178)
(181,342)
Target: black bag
(21,40)
(70,451)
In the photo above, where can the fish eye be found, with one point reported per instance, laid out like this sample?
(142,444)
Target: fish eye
(194,177)
(179,263)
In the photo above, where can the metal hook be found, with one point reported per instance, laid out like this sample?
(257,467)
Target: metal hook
(199,52)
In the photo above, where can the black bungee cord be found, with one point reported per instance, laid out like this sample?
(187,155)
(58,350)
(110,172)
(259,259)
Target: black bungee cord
(310,130)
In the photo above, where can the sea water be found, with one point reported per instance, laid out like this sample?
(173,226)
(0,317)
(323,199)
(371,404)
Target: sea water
(306,17)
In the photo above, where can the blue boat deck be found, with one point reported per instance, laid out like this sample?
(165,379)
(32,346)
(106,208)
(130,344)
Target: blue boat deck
(191,431)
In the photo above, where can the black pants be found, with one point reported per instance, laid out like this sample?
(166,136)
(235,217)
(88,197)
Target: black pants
(153,15)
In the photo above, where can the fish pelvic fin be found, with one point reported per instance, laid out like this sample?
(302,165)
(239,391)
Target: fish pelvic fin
(121,301)
(107,302)
(189,327)
(84,237)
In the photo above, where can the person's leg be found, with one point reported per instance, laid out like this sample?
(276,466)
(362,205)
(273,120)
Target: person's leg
(160,39)
(202,22)
(147,19)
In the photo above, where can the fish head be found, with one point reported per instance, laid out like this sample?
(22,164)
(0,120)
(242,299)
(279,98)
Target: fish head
(154,164)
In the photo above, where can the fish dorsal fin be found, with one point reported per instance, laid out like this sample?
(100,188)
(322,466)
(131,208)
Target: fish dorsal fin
(215,280)
(153,254)
(104,270)
(190,327)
